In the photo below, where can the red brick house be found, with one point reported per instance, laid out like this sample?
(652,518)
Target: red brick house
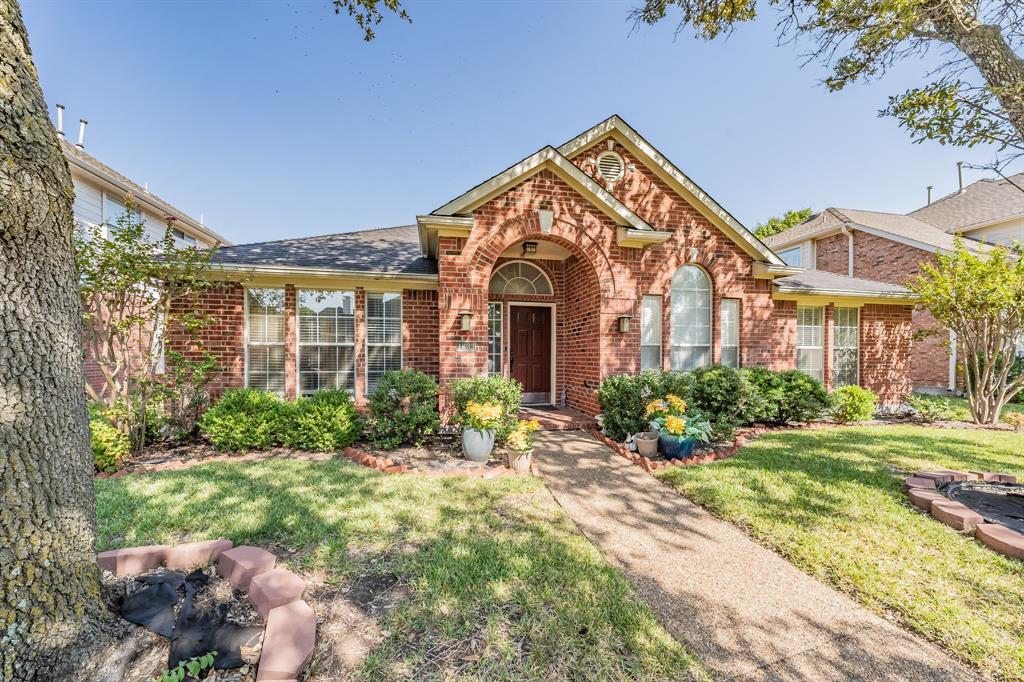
(590,259)
(891,247)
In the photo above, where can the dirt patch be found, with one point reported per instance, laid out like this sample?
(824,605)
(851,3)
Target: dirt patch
(436,452)
(182,455)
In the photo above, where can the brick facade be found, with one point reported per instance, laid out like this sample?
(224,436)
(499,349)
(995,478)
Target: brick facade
(224,338)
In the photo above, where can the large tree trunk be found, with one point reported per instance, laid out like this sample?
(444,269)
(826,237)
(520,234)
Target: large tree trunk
(51,614)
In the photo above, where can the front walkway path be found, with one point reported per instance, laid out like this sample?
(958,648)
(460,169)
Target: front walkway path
(746,612)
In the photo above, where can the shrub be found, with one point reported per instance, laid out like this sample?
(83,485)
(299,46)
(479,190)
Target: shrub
(109,446)
(1014,419)
(403,409)
(624,398)
(725,397)
(853,404)
(325,421)
(483,389)
(245,419)
(931,408)
(788,396)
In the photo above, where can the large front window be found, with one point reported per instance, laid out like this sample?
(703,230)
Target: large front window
(691,318)
(809,341)
(327,340)
(383,337)
(846,347)
(264,329)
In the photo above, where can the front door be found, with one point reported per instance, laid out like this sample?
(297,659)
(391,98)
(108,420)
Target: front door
(530,358)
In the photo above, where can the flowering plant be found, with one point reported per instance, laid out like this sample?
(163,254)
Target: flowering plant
(482,416)
(522,436)
(668,416)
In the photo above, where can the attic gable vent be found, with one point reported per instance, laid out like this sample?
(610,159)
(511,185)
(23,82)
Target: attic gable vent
(610,166)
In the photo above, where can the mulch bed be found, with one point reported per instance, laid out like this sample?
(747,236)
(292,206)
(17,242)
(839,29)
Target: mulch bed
(436,454)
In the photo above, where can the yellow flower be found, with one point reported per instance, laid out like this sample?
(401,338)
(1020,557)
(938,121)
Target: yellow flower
(483,415)
(675,425)
(676,403)
(656,406)
(521,437)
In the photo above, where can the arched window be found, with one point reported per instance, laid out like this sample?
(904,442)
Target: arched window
(691,318)
(520,277)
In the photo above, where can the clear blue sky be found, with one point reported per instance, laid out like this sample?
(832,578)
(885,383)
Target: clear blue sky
(276,120)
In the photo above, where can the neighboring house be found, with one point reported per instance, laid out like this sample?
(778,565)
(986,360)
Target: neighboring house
(594,258)
(890,247)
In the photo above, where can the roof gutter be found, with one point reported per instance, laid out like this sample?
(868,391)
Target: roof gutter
(909,295)
(319,272)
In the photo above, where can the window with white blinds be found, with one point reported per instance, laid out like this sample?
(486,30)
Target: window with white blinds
(383,336)
(810,341)
(730,332)
(690,318)
(846,347)
(327,340)
(264,333)
(494,339)
(650,333)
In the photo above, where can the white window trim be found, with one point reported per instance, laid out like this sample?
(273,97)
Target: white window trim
(836,347)
(721,323)
(501,336)
(539,269)
(298,340)
(366,337)
(245,326)
(799,252)
(661,331)
(821,328)
(672,345)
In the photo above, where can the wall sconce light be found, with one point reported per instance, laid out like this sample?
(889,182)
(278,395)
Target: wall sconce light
(624,323)
(465,321)
(529,248)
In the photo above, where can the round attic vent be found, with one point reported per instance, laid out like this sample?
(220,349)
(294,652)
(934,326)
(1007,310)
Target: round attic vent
(611,166)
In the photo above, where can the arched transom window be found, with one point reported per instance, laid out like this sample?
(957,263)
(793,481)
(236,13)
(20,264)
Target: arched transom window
(520,277)
(691,318)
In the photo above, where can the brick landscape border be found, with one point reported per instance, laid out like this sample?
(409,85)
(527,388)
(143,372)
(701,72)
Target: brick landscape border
(923,492)
(276,593)
(652,465)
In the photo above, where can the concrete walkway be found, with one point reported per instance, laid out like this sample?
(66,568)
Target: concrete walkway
(746,612)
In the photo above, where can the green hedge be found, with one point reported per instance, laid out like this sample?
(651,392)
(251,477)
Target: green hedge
(482,389)
(403,409)
(853,404)
(789,396)
(325,421)
(245,419)
(109,446)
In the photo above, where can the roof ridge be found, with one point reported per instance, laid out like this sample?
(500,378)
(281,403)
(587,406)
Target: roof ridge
(318,236)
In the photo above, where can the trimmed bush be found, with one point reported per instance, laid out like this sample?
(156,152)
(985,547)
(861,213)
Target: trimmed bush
(932,408)
(853,404)
(109,446)
(403,409)
(245,419)
(725,397)
(624,398)
(788,396)
(483,389)
(325,421)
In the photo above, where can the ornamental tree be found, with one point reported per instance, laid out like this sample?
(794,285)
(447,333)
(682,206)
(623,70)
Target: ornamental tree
(981,299)
(776,224)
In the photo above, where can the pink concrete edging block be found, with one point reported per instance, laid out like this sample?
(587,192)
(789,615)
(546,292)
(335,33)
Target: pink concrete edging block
(922,498)
(132,559)
(986,476)
(287,642)
(1007,478)
(195,554)
(275,588)
(918,482)
(241,564)
(1001,539)
(956,515)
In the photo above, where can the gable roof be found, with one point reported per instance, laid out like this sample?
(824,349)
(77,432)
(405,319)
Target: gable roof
(81,158)
(387,250)
(981,203)
(675,178)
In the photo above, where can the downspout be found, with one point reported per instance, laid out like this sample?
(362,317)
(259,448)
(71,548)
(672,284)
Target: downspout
(845,229)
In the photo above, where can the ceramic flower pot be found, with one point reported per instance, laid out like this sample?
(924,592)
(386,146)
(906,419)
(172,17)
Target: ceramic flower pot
(520,461)
(676,447)
(477,444)
(647,443)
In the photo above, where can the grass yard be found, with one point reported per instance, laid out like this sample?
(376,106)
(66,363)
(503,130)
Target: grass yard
(495,562)
(830,500)
(963,409)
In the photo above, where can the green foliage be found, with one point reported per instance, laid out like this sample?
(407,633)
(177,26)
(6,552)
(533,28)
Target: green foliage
(931,408)
(245,419)
(853,404)
(483,389)
(775,225)
(725,396)
(180,393)
(788,396)
(624,398)
(190,668)
(323,422)
(367,13)
(109,446)
(403,409)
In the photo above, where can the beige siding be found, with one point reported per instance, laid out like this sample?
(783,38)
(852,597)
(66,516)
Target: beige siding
(88,207)
(1003,233)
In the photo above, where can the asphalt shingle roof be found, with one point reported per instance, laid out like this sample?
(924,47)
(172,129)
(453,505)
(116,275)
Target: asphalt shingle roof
(390,250)
(811,281)
(981,202)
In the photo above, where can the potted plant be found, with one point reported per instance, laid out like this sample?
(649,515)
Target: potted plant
(647,443)
(678,432)
(520,445)
(479,421)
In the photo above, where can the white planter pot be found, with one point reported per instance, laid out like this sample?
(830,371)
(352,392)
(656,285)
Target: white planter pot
(520,461)
(478,444)
(647,443)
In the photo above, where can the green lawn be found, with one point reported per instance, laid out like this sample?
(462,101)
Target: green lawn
(495,560)
(830,501)
(963,409)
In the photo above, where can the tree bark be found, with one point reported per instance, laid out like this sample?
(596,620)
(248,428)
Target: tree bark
(51,613)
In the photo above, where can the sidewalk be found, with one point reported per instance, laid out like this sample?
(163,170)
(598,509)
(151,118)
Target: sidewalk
(744,611)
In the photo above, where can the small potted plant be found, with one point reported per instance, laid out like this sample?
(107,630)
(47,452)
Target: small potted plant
(520,445)
(678,431)
(479,422)
(647,443)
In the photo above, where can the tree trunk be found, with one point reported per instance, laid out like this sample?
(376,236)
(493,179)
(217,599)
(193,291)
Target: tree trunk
(51,613)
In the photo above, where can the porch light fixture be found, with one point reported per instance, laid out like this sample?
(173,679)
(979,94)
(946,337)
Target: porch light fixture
(624,323)
(465,321)
(529,248)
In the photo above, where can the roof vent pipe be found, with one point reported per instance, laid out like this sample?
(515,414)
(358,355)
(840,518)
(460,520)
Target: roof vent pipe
(60,120)
(929,195)
(960,174)
(81,133)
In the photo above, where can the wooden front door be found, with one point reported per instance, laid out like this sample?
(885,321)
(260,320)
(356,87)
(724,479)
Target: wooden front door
(530,348)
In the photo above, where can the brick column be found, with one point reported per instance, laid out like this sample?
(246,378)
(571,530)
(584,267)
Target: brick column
(291,389)
(360,354)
